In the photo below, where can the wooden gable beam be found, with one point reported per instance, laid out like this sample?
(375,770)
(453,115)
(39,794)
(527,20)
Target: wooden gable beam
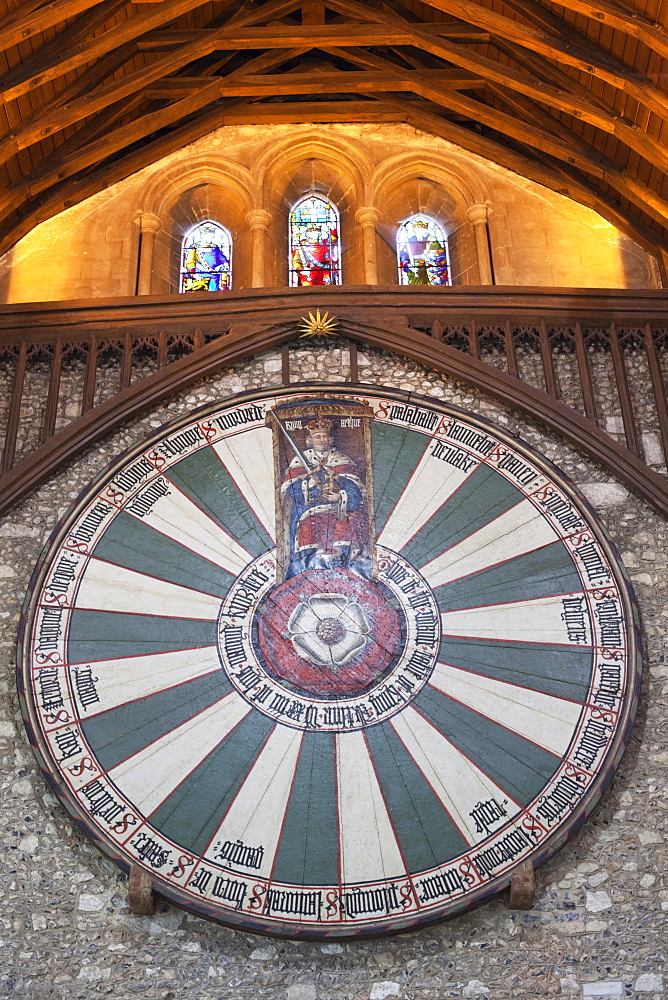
(577,102)
(37,70)
(23,26)
(311,83)
(591,60)
(626,19)
(74,34)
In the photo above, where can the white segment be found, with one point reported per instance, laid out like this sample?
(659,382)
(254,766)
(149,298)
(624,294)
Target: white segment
(132,677)
(179,518)
(538,620)
(249,459)
(432,483)
(456,780)
(542,718)
(256,814)
(519,530)
(150,775)
(368,846)
(106,587)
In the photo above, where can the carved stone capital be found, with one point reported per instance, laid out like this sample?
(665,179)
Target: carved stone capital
(149,222)
(258,218)
(477,213)
(367,216)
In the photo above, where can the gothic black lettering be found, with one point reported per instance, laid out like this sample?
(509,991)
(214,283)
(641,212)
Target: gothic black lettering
(84,683)
(593,739)
(564,795)
(64,573)
(50,693)
(238,853)
(141,505)
(102,802)
(67,741)
(473,439)
(575,615)
(457,457)
(295,903)
(148,849)
(437,886)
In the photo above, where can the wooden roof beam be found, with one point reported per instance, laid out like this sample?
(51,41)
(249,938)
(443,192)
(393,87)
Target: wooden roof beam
(599,63)
(17,29)
(624,18)
(165,39)
(36,71)
(311,83)
(59,168)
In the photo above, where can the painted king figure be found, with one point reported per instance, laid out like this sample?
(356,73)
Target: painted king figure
(206,266)
(329,524)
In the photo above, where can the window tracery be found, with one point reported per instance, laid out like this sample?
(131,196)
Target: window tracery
(315,249)
(206,258)
(422,252)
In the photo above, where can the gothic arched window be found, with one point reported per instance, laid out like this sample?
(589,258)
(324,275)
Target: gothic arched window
(315,248)
(206,258)
(422,252)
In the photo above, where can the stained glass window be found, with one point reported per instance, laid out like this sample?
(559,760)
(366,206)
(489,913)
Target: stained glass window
(422,252)
(315,250)
(206,259)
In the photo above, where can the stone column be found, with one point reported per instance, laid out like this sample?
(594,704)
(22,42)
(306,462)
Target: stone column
(149,225)
(477,216)
(368,219)
(258,220)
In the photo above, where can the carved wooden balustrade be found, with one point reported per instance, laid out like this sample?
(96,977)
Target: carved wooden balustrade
(591,365)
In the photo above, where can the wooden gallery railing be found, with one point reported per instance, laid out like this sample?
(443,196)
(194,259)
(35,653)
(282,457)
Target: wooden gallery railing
(591,365)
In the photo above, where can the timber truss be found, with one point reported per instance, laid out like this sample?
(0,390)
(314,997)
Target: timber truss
(566,95)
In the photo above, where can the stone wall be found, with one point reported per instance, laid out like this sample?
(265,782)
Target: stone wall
(536,237)
(598,926)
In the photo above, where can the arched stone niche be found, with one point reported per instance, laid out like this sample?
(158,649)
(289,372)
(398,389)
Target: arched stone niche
(407,184)
(221,192)
(289,171)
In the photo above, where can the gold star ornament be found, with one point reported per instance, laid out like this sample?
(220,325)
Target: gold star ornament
(318,326)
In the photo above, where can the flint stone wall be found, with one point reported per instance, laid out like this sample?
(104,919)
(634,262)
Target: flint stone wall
(599,924)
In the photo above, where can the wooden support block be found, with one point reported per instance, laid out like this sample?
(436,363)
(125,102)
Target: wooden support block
(523,888)
(140,892)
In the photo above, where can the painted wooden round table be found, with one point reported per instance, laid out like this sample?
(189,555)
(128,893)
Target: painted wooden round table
(329,660)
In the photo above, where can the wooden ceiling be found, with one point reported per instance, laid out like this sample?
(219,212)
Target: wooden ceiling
(572,95)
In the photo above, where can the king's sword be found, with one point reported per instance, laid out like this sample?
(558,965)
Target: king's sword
(295,447)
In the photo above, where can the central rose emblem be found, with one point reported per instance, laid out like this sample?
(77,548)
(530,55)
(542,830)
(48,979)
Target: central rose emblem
(329,630)
(330,633)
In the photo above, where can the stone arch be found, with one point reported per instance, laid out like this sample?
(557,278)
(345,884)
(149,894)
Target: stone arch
(407,184)
(305,164)
(178,198)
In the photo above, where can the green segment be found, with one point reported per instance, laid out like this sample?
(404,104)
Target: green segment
(555,670)
(135,545)
(396,452)
(115,735)
(542,573)
(482,497)
(308,852)
(193,813)
(519,767)
(426,833)
(108,635)
(205,480)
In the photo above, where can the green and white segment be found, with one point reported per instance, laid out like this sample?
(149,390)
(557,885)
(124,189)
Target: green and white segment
(271,827)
